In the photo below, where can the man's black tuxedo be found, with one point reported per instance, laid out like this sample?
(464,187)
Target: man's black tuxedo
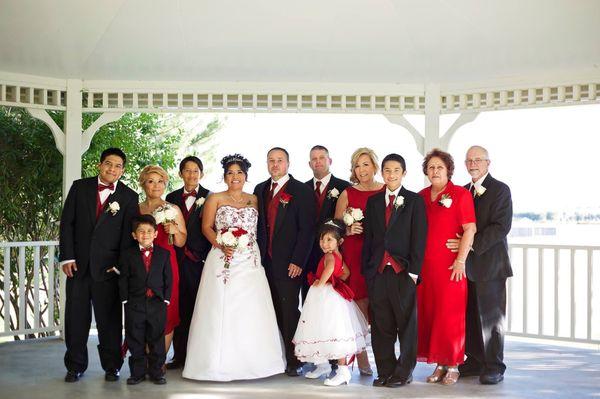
(327,211)
(145,317)
(191,263)
(488,267)
(392,297)
(291,243)
(95,245)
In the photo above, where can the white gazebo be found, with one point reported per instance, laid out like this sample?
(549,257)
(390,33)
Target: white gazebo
(388,57)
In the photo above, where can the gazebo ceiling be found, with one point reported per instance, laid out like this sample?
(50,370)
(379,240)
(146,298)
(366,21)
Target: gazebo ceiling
(351,41)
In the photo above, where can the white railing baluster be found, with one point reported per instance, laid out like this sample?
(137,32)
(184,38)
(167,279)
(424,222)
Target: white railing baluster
(509,300)
(572,292)
(36,287)
(6,289)
(22,311)
(524,291)
(51,286)
(590,276)
(540,291)
(556,309)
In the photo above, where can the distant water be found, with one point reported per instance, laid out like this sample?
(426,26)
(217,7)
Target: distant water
(566,234)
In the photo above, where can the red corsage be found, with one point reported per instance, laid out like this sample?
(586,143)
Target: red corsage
(285,199)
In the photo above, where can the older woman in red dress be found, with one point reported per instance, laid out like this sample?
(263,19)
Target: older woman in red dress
(364,166)
(442,293)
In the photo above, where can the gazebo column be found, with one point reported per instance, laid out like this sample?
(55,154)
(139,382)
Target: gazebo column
(73,139)
(433,106)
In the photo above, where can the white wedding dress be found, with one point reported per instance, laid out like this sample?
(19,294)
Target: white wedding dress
(233,333)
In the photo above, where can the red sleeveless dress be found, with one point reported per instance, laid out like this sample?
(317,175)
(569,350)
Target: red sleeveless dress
(162,240)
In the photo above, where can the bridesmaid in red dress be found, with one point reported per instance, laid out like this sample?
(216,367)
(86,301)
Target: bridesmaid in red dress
(364,166)
(153,180)
(442,293)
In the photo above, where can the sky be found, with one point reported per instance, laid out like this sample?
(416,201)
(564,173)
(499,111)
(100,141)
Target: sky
(547,156)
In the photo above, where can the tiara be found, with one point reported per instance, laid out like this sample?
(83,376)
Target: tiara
(331,223)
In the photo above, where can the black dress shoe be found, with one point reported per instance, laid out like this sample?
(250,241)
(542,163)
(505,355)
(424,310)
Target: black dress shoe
(135,381)
(380,381)
(73,376)
(395,382)
(111,375)
(293,371)
(469,369)
(491,378)
(174,365)
(159,380)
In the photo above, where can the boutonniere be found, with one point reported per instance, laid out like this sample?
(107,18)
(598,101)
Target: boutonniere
(479,191)
(399,202)
(285,199)
(113,207)
(445,201)
(333,193)
(200,201)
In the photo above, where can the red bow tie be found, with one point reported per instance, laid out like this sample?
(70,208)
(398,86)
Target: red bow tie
(144,250)
(102,187)
(190,194)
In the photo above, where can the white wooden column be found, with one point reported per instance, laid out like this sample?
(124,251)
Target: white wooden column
(73,135)
(433,106)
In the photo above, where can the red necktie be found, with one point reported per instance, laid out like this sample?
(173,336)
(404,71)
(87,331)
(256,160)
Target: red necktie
(102,187)
(273,187)
(390,207)
(147,262)
(190,194)
(318,188)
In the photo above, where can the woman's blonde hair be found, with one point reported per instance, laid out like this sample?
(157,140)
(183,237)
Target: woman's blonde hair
(152,169)
(357,154)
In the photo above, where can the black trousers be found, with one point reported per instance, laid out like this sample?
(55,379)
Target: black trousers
(286,299)
(392,300)
(145,321)
(83,294)
(486,311)
(189,281)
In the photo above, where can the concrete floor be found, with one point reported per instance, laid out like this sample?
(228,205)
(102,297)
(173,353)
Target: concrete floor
(34,369)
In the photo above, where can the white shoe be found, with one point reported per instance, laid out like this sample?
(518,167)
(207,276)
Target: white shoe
(342,376)
(322,369)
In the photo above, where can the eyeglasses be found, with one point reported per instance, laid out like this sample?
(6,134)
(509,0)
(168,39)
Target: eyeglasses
(476,161)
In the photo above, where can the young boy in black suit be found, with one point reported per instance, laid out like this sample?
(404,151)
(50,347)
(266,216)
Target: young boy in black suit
(145,289)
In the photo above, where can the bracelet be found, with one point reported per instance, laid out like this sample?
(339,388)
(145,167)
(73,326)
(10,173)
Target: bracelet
(460,261)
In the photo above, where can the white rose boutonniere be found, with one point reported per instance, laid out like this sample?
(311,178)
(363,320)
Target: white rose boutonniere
(333,193)
(445,201)
(399,202)
(200,201)
(479,191)
(114,207)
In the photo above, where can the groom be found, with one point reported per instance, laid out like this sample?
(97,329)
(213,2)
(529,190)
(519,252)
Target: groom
(285,237)
(190,199)
(95,227)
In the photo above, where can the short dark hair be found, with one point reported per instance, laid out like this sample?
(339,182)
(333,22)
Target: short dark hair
(113,151)
(394,157)
(444,156)
(319,147)
(335,227)
(235,159)
(287,154)
(139,220)
(191,158)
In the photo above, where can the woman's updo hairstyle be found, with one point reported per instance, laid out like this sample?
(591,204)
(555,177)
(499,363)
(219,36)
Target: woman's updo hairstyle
(235,159)
(335,227)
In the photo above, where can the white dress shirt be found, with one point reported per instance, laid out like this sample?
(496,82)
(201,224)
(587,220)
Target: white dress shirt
(189,201)
(387,203)
(479,182)
(324,182)
(280,183)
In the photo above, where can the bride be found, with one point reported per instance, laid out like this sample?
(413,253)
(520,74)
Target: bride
(233,333)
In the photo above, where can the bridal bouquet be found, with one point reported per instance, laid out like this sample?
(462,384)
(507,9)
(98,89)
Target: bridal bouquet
(165,214)
(232,237)
(352,215)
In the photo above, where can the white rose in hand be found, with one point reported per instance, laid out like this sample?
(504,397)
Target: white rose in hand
(228,239)
(170,213)
(348,219)
(357,214)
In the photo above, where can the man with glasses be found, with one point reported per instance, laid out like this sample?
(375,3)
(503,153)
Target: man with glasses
(488,267)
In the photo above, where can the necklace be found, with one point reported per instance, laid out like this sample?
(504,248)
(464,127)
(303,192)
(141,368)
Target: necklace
(236,200)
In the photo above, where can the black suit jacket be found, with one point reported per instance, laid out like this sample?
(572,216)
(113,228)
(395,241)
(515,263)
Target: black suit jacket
(294,228)
(327,211)
(196,243)
(134,280)
(96,244)
(404,238)
(489,259)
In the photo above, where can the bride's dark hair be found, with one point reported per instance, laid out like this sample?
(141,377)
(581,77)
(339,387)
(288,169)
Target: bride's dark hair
(235,159)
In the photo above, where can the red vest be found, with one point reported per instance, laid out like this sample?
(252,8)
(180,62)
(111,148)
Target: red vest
(387,258)
(272,209)
(147,262)
(319,199)
(99,205)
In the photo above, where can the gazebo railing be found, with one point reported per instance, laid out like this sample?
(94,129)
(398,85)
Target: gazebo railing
(32,288)
(554,294)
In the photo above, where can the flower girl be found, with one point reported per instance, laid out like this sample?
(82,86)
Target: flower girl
(331,325)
